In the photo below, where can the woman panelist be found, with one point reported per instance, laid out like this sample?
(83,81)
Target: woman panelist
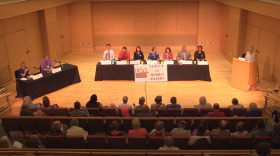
(138,54)
(167,55)
(199,55)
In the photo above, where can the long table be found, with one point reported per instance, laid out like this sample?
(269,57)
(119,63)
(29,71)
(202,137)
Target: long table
(49,82)
(176,72)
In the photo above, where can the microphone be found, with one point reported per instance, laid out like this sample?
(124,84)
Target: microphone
(36,68)
(55,60)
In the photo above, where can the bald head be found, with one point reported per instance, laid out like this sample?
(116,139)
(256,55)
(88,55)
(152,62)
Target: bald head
(144,108)
(56,125)
(223,124)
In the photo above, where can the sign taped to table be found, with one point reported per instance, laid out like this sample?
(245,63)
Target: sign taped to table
(150,73)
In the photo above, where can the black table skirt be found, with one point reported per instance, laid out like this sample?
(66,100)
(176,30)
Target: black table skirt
(176,72)
(49,82)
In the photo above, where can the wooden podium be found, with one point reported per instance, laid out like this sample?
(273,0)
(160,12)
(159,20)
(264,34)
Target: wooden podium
(244,74)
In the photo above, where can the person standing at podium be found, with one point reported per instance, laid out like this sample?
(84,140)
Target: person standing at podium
(124,54)
(250,55)
(46,64)
(109,54)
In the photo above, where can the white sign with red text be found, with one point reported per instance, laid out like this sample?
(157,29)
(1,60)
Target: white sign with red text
(150,73)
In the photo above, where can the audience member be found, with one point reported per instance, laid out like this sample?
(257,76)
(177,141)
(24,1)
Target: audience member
(202,129)
(27,100)
(173,104)
(276,137)
(235,104)
(137,131)
(75,130)
(222,131)
(253,112)
(26,112)
(141,102)
(5,142)
(77,111)
(57,128)
(158,103)
(169,142)
(216,112)
(34,142)
(159,130)
(263,149)
(180,131)
(260,130)
(203,103)
(114,126)
(92,103)
(125,105)
(144,112)
(240,130)
(46,103)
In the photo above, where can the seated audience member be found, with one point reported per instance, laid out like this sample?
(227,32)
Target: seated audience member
(77,111)
(5,142)
(141,102)
(263,149)
(184,54)
(201,129)
(124,55)
(58,128)
(27,100)
(26,112)
(203,103)
(222,131)
(260,130)
(125,105)
(216,112)
(169,142)
(137,131)
(23,71)
(180,131)
(199,55)
(167,55)
(254,111)
(114,126)
(75,130)
(240,130)
(92,103)
(138,54)
(153,55)
(145,112)
(173,104)
(275,143)
(34,142)
(235,104)
(159,130)
(46,103)
(158,103)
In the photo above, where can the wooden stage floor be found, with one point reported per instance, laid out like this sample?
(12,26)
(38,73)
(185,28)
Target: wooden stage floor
(186,92)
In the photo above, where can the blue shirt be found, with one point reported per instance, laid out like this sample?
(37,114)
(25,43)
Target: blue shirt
(253,113)
(173,106)
(153,56)
(45,63)
(21,71)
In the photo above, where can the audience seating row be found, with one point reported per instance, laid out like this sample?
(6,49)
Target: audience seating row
(175,112)
(101,124)
(152,142)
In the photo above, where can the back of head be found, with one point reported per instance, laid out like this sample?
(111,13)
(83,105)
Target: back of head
(158,99)
(263,149)
(56,125)
(216,106)
(77,105)
(182,124)
(27,100)
(260,124)
(169,141)
(5,142)
(202,128)
(240,126)
(114,125)
(159,125)
(173,100)
(136,123)
(46,101)
(141,100)
(223,125)
(74,122)
(202,100)
(144,108)
(33,142)
(234,101)
(125,99)
(93,99)
(253,106)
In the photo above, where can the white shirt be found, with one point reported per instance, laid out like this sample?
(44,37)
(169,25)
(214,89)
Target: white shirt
(106,53)
(236,106)
(75,130)
(250,57)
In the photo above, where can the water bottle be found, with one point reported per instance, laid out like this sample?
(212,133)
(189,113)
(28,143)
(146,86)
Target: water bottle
(157,61)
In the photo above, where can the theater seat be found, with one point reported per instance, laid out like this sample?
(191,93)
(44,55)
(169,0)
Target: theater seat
(220,142)
(94,111)
(32,109)
(181,142)
(259,139)
(161,111)
(95,125)
(137,142)
(205,111)
(10,125)
(44,125)
(28,136)
(55,141)
(27,125)
(168,123)
(48,111)
(238,111)
(109,112)
(61,111)
(156,142)
(116,142)
(137,110)
(176,112)
(226,111)
(96,141)
(201,143)
(75,141)
(190,112)
(241,142)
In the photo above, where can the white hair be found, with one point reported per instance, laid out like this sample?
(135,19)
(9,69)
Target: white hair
(135,123)
(253,106)
(184,47)
(251,47)
(169,141)
(27,100)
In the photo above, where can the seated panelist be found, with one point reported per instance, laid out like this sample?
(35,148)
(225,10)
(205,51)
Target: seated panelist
(138,54)
(153,55)
(23,72)
(46,63)
(167,55)
(184,54)
(199,55)
(124,54)
(108,54)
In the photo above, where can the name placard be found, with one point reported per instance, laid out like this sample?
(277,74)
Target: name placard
(56,70)
(151,62)
(106,62)
(202,62)
(168,62)
(186,62)
(37,76)
(135,62)
(121,63)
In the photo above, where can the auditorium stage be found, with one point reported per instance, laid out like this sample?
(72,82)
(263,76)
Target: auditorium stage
(187,92)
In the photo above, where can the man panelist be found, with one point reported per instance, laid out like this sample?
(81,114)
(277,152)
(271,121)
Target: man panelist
(184,54)
(46,63)
(108,54)
(124,54)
